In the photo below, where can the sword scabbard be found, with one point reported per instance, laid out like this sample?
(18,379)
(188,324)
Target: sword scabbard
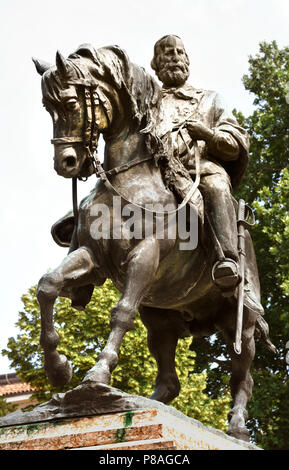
(242,224)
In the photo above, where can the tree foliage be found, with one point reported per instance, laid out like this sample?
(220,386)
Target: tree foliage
(6,407)
(82,336)
(266,188)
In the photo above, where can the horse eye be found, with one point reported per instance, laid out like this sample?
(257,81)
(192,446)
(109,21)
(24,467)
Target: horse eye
(70,104)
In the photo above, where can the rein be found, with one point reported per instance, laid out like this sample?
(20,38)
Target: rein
(102,174)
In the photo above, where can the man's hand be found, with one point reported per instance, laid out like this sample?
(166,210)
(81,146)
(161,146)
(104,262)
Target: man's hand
(198,130)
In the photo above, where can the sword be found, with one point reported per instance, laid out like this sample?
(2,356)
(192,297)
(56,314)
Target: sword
(245,220)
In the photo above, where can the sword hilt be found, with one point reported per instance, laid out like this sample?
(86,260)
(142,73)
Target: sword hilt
(245,215)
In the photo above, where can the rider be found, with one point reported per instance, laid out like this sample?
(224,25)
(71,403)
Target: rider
(223,148)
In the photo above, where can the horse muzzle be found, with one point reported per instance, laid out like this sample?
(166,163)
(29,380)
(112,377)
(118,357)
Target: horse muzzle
(67,162)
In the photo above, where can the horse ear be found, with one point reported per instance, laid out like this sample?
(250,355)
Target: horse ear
(61,64)
(41,66)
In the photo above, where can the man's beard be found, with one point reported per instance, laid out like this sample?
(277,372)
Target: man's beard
(172,76)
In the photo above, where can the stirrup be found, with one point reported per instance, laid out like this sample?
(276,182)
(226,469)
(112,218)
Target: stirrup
(225,275)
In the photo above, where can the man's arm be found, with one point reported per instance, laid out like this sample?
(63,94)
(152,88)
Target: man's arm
(224,146)
(220,143)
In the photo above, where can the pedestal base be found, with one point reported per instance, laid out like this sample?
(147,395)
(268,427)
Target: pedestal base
(143,429)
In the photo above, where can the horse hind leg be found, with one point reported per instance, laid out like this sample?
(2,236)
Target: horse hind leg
(75,270)
(166,324)
(141,270)
(241,380)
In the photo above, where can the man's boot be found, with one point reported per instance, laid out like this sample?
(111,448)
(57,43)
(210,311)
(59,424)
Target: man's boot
(225,274)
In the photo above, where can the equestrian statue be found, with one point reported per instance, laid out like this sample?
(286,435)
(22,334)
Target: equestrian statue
(165,146)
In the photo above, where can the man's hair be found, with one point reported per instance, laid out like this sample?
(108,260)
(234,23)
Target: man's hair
(157,47)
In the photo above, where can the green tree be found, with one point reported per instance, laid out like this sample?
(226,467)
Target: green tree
(266,188)
(6,407)
(83,334)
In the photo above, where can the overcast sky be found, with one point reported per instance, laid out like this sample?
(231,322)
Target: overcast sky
(219,35)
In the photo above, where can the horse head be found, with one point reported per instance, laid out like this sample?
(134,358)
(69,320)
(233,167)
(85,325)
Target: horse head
(79,109)
(92,92)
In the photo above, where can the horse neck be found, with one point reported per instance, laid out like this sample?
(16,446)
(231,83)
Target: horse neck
(124,140)
(126,146)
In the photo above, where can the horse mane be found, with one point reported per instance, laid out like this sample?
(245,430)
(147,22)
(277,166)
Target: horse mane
(113,65)
(142,94)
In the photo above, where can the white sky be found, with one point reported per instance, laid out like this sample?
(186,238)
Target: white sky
(219,35)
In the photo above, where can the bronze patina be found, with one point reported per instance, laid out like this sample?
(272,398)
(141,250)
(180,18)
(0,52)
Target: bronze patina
(159,141)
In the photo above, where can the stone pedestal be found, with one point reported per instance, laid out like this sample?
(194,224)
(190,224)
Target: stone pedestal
(160,427)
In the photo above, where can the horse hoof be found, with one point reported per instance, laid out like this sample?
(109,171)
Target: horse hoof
(239,433)
(165,394)
(60,372)
(98,376)
(161,397)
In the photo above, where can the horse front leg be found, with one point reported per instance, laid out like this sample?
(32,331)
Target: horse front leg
(141,270)
(241,380)
(75,270)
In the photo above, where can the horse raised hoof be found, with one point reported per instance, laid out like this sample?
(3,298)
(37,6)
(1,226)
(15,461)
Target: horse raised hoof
(59,371)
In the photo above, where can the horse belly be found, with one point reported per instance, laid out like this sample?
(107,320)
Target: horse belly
(182,278)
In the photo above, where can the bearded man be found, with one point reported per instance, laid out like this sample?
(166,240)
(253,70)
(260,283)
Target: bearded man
(223,146)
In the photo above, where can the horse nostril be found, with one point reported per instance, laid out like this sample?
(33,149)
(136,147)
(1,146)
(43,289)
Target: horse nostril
(69,162)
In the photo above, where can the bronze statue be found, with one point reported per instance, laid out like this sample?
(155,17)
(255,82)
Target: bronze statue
(150,148)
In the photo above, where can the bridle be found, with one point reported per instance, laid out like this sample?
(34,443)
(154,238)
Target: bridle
(92,98)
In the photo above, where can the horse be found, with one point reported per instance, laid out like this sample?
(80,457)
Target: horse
(100,91)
